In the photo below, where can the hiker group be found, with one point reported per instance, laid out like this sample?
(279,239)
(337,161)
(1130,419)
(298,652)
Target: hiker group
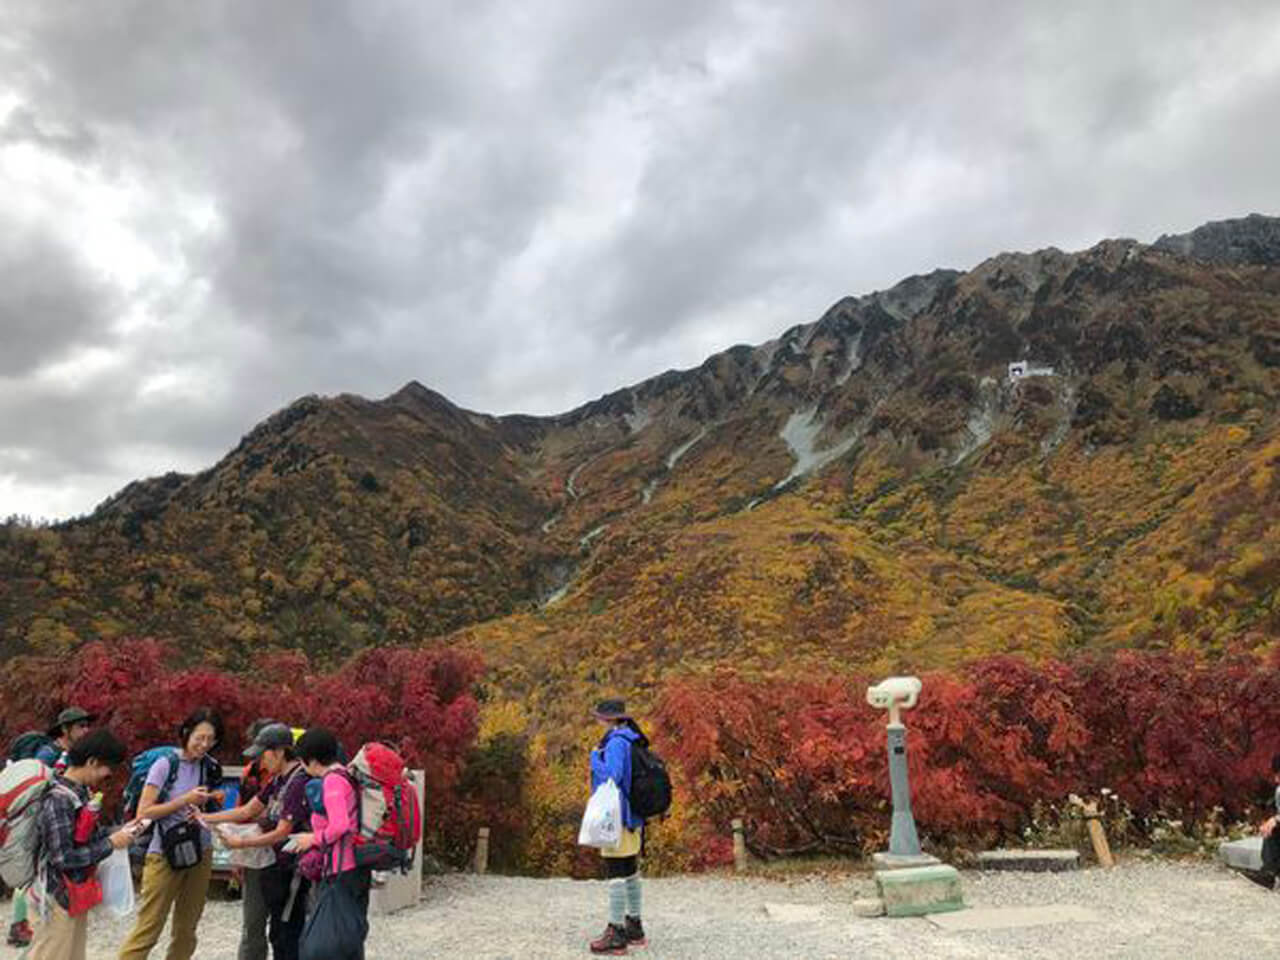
(324,828)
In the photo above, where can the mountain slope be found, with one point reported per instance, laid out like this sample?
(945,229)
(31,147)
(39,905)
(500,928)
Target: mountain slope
(872,487)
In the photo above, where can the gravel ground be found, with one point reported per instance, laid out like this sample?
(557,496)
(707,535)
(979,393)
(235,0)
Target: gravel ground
(1148,910)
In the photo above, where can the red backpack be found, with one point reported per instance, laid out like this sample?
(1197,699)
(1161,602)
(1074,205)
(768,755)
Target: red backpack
(386,808)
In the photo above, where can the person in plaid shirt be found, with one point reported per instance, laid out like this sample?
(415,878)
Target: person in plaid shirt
(62,862)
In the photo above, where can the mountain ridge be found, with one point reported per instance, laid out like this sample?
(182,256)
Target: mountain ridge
(1250,240)
(885,442)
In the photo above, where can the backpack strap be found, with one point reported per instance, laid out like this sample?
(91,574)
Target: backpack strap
(43,866)
(333,853)
(210,772)
(175,760)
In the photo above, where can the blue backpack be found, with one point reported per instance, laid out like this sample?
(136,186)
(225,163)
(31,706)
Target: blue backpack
(210,776)
(315,795)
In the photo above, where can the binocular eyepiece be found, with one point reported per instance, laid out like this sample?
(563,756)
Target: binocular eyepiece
(902,692)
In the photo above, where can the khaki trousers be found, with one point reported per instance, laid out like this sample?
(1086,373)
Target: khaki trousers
(164,888)
(59,936)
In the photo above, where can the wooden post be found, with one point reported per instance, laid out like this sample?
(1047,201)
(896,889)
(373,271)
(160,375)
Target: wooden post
(482,851)
(1098,836)
(739,847)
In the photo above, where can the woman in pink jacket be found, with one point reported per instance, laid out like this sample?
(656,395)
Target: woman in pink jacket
(335,828)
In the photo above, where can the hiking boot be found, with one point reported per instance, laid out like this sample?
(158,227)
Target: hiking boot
(20,934)
(613,941)
(635,932)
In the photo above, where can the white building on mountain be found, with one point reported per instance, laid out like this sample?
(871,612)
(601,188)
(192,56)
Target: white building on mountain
(1021,369)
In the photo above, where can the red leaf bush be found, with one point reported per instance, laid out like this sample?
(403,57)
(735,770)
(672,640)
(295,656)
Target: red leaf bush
(804,761)
(418,701)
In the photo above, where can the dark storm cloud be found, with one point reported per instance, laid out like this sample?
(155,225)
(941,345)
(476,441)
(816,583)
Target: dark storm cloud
(526,205)
(47,298)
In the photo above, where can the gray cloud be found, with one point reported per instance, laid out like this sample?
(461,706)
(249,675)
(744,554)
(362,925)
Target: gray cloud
(219,207)
(23,126)
(48,298)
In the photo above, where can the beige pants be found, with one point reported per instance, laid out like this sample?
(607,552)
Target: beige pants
(164,888)
(59,936)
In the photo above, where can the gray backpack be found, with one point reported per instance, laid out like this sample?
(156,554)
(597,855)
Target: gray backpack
(23,787)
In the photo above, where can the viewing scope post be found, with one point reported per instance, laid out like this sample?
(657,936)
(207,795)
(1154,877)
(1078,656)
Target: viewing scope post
(895,695)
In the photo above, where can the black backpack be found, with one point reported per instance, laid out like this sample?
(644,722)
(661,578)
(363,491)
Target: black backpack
(650,784)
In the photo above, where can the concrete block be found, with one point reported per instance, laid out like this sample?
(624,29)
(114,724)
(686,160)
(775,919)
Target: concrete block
(1030,861)
(400,890)
(898,861)
(870,907)
(1244,854)
(916,891)
(1011,918)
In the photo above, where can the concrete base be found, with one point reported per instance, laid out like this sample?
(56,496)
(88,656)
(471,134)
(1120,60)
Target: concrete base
(916,891)
(898,861)
(1030,861)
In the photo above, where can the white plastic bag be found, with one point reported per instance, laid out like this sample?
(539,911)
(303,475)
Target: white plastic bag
(117,883)
(254,858)
(602,822)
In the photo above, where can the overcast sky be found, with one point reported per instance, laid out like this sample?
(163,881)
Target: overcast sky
(209,209)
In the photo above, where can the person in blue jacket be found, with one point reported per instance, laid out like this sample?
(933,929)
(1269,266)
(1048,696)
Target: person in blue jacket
(611,760)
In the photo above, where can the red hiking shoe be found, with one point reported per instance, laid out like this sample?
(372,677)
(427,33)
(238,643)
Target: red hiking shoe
(634,932)
(612,942)
(20,934)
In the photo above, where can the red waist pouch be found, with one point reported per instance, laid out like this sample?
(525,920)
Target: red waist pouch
(82,895)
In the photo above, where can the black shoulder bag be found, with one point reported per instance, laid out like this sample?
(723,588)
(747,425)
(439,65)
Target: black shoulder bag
(183,843)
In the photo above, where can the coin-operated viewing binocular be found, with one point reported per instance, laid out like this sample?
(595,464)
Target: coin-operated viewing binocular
(895,694)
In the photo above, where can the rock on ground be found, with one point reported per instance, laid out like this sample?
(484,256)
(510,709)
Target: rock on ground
(1148,910)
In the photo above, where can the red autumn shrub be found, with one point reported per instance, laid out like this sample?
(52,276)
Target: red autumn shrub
(1175,735)
(792,757)
(418,701)
(804,761)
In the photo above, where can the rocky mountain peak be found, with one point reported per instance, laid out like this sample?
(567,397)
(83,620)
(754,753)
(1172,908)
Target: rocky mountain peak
(1251,240)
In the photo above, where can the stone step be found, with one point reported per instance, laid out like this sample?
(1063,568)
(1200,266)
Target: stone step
(916,891)
(868,907)
(1030,861)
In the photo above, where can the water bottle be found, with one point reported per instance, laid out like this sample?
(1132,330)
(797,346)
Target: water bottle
(87,819)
